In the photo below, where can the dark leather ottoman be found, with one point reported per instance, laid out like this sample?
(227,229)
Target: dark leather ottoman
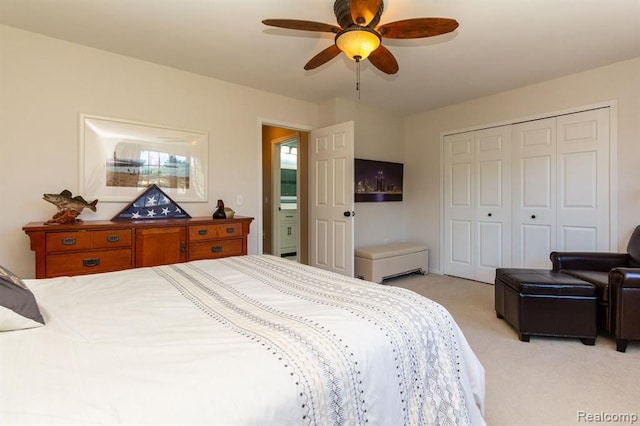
(538,302)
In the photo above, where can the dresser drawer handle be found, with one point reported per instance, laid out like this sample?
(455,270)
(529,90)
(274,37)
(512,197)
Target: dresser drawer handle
(231,230)
(113,238)
(216,249)
(68,241)
(202,232)
(90,263)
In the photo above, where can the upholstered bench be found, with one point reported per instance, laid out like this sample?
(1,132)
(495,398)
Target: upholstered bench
(539,302)
(375,263)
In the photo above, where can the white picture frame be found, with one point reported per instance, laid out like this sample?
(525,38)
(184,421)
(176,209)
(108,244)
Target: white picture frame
(119,159)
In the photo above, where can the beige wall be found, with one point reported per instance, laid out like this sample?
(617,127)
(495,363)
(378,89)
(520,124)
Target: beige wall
(46,83)
(618,82)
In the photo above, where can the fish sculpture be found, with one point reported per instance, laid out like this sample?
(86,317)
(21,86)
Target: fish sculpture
(64,201)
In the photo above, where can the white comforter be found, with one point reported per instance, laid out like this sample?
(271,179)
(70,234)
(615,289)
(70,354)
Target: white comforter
(237,341)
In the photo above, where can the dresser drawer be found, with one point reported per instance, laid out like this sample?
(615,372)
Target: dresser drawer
(87,240)
(215,249)
(223,230)
(68,241)
(113,238)
(88,262)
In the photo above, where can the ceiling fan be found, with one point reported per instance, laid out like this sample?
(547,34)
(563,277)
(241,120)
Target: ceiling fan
(358,35)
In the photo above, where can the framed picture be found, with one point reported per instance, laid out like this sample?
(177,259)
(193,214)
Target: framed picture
(120,159)
(377,181)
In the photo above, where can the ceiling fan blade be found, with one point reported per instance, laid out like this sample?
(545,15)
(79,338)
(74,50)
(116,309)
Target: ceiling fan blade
(323,57)
(296,24)
(384,60)
(417,28)
(363,11)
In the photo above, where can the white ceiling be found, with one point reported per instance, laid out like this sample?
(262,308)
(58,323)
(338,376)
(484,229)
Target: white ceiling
(499,45)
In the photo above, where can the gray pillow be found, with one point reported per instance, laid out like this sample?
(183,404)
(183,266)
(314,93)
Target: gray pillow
(18,307)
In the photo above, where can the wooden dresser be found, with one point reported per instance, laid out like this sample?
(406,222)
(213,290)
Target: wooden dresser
(103,246)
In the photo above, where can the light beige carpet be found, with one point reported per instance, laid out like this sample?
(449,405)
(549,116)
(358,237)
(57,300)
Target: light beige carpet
(548,381)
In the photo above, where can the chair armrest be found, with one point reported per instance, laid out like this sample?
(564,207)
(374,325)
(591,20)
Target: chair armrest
(588,261)
(624,277)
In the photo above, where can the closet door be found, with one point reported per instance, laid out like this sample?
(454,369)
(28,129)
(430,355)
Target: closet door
(560,186)
(477,203)
(493,201)
(583,181)
(534,192)
(459,209)
(513,194)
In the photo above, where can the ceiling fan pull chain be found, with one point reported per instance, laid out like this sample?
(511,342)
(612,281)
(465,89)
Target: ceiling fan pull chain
(358,76)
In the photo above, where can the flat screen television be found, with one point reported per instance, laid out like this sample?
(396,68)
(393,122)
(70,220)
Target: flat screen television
(377,181)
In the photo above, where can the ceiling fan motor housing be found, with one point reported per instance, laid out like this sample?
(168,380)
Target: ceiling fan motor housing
(342,10)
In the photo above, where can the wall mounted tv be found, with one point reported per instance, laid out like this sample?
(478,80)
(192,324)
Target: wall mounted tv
(377,181)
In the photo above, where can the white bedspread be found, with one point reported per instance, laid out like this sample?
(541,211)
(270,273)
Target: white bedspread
(252,340)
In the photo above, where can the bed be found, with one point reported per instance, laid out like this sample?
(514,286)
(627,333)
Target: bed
(247,340)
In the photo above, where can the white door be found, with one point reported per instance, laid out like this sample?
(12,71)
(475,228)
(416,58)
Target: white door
(561,186)
(534,192)
(493,201)
(331,198)
(477,203)
(513,194)
(459,209)
(583,181)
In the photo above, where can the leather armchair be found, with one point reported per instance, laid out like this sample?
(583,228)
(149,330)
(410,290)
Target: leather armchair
(617,278)
(624,305)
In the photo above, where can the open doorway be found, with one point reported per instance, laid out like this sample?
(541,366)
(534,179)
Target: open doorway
(284,217)
(284,193)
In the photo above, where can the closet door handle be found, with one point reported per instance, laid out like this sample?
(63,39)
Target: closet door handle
(489,215)
(533,216)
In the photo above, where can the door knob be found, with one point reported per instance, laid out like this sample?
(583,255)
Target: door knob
(489,215)
(347,214)
(533,216)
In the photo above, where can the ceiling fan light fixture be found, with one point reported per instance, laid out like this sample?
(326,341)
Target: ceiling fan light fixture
(358,42)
